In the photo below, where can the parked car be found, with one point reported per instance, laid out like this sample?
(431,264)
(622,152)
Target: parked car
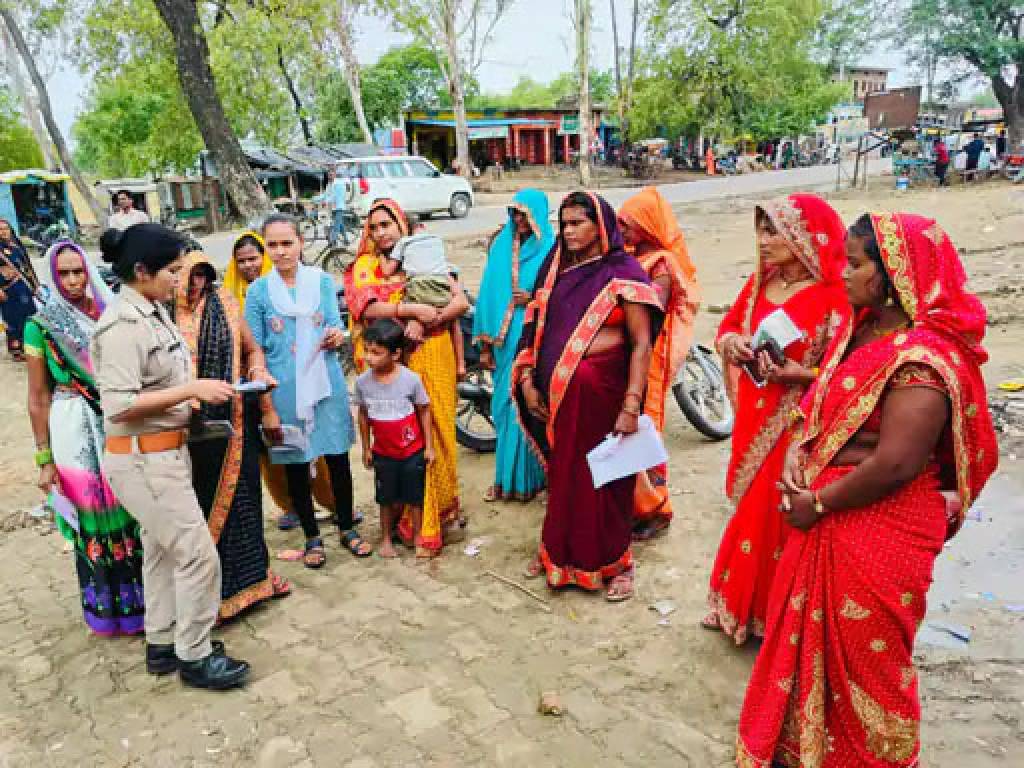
(411,181)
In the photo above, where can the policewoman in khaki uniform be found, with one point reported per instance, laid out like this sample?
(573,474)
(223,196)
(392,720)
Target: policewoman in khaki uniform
(146,390)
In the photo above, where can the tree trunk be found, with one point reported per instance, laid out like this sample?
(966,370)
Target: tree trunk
(21,91)
(621,100)
(300,111)
(350,66)
(631,64)
(1011,99)
(457,91)
(51,124)
(193,55)
(583,62)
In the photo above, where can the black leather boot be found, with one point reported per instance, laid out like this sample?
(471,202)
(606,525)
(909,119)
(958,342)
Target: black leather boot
(216,672)
(161,659)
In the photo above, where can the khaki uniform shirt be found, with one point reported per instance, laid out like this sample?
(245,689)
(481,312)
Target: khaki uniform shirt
(137,348)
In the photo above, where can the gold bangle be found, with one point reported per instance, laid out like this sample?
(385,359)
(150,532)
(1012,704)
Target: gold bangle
(819,507)
(638,396)
(630,411)
(816,371)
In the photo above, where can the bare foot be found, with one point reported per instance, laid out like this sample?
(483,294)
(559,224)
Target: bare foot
(712,622)
(534,569)
(386,549)
(620,588)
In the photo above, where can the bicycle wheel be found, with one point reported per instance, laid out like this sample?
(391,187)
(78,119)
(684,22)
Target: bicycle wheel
(700,393)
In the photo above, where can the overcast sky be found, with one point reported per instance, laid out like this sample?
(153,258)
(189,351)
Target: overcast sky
(534,38)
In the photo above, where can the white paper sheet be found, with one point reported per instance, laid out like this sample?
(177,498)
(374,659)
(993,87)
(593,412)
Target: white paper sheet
(617,456)
(60,504)
(778,326)
(292,439)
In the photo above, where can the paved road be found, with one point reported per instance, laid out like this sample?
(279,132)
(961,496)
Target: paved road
(484,219)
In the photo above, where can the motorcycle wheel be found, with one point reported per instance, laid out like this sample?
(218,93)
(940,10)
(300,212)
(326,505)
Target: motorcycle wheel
(474,428)
(700,392)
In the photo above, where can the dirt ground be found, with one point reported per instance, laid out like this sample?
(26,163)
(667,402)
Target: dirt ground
(373,663)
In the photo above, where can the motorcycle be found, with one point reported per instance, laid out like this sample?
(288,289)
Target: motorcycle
(699,390)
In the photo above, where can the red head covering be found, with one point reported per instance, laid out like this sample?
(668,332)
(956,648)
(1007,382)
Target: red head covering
(816,236)
(948,324)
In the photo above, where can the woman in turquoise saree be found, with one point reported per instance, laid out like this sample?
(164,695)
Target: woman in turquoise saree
(514,258)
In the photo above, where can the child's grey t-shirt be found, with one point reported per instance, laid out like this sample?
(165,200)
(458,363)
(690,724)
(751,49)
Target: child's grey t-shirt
(390,409)
(390,401)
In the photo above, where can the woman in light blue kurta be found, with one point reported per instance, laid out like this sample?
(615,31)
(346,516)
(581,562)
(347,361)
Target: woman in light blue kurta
(513,261)
(293,314)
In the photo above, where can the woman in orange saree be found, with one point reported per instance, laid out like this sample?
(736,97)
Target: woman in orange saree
(370,296)
(801,255)
(650,228)
(898,414)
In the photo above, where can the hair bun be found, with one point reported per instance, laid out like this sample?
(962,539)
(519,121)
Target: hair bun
(110,245)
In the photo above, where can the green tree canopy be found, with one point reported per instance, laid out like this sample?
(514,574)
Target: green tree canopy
(983,37)
(733,69)
(18,147)
(404,77)
(528,92)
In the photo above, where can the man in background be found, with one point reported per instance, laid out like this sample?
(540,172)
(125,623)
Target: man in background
(335,195)
(126,215)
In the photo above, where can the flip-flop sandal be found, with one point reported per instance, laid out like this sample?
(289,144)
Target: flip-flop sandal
(314,555)
(357,518)
(491,495)
(613,594)
(288,521)
(354,543)
(290,555)
(648,532)
(534,570)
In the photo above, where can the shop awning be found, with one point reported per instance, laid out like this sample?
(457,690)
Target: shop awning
(486,128)
(34,175)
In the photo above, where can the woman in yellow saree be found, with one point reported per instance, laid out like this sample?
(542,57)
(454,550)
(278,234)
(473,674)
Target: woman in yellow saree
(651,232)
(249,261)
(371,296)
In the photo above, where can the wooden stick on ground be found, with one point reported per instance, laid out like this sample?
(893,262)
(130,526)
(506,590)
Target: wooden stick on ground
(516,585)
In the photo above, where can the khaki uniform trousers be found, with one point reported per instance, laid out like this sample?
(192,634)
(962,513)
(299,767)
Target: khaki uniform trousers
(180,567)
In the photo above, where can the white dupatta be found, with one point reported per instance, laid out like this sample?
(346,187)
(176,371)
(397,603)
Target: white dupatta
(312,382)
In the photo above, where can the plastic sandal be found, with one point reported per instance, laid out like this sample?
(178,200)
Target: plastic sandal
(288,521)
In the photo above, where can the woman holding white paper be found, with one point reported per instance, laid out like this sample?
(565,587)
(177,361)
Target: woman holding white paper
(797,283)
(579,376)
(293,314)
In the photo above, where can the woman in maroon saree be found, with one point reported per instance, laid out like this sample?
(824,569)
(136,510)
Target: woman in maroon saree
(580,375)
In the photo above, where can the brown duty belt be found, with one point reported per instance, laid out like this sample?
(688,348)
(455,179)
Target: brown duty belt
(155,442)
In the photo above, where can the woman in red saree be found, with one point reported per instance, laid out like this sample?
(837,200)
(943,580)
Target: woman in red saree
(801,256)
(579,376)
(649,226)
(898,414)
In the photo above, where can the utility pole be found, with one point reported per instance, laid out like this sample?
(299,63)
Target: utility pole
(583,62)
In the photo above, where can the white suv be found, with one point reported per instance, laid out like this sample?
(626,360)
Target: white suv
(413,182)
